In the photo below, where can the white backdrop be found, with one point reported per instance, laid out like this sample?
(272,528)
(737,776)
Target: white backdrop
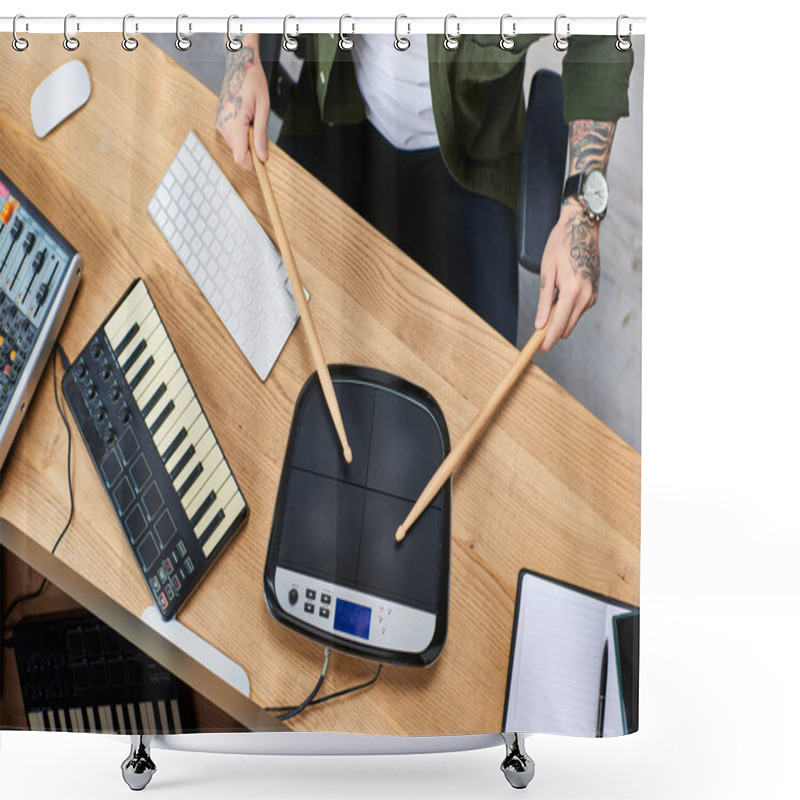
(720,546)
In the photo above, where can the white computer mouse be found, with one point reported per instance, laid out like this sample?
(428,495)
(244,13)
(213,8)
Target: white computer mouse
(60,94)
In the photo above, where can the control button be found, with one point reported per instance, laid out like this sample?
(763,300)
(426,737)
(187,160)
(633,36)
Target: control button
(123,495)
(189,566)
(168,590)
(128,445)
(153,500)
(293,596)
(81,370)
(165,528)
(135,523)
(162,575)
(176,584)
(311,594)
(162,601)
(154,582)
(140,472)
(111,468)
(110,436)
(308,608)
(326,598)
(324,612)
(91,391)
(116,393)
(181,549)
(168,565)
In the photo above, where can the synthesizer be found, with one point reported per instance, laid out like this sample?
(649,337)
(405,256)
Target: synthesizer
(162,467)
(39,274)
(77,674)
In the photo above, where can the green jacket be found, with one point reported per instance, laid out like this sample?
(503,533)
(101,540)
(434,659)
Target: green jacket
(478,103)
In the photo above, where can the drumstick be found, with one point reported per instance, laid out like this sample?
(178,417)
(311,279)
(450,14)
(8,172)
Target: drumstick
(473,432)
(300,298)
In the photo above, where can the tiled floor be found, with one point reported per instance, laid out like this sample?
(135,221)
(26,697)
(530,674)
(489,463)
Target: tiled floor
(601,363)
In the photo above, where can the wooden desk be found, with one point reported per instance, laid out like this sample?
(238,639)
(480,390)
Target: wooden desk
(549,488)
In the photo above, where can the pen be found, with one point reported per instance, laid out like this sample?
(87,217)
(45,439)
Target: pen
(601,701)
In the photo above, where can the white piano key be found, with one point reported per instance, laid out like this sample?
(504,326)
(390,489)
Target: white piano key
(149,330)
(148,717)
(187,410)
(105,718)
(210,461)
(176,715)
(62,719)
(90,718)
(36,721)
(234,508)
(213,480)
(134,727)
(176,383)
(165,364)
(127,314)
(163,721)
(224,492)
(73,720)
(194,436)
(51,720)
(120,718)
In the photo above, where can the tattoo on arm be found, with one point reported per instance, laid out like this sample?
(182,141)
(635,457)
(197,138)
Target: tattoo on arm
(590,145)
(236,65)
(585,256)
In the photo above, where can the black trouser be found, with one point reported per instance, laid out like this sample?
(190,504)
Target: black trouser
(466,241)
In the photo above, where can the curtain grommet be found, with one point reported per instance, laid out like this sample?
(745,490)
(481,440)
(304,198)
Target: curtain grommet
(71,43)
(182,43)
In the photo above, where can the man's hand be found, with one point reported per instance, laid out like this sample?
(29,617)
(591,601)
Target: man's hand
(571,260)
(244,100)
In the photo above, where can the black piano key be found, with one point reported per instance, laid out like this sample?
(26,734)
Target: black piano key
(168,409)
(154,398)
(127,339)
(187,484)
(212,526)
(182,462)
(134,356)
(175,444)
(137,379)
(205,505)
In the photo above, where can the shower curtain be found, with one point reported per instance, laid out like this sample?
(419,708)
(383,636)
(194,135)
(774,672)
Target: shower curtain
(208,558)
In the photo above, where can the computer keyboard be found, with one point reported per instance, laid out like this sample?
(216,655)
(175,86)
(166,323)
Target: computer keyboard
(227,254)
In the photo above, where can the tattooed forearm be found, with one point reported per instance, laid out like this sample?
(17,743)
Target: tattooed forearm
(582,241)
(590,145)
(236,66)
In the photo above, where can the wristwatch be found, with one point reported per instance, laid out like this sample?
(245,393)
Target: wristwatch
(591,190)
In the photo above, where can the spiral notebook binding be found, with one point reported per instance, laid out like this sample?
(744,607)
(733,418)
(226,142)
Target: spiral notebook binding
(452,27)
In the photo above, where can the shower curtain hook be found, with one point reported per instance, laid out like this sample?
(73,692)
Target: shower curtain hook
(71,43)
(345,42)
(400,42)
(128,42)
(561,43)
(451,42)
(507,42)
(18,43)
(233,44)
(623,42)
(289,42)
(181,42)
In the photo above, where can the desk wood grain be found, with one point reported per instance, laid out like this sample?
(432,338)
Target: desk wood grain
(549,487)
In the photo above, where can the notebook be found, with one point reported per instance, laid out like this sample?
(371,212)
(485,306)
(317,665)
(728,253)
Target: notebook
(555,664)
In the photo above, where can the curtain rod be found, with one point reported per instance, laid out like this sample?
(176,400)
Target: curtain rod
(513,26)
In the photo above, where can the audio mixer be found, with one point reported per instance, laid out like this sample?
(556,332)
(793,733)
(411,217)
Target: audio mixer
(39,273)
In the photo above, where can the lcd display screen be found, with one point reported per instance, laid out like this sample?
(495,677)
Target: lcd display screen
(352,618)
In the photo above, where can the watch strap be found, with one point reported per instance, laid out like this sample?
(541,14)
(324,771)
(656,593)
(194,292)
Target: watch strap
(573,187)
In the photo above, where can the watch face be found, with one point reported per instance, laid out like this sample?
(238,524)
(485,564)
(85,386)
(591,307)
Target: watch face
(595,192)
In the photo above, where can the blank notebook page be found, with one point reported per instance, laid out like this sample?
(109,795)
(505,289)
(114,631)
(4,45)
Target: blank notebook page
(554,684)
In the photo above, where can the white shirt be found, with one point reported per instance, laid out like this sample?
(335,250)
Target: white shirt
(396,88)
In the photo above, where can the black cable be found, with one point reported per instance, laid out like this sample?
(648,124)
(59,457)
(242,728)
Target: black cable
(312,700)
(293,711)
(31,595)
